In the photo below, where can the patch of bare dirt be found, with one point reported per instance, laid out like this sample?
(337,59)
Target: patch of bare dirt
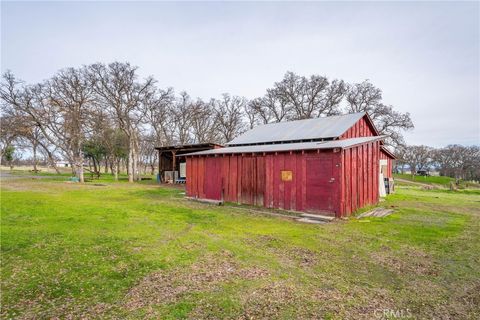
(287,254)
(60,309)
(268,302)
(356,303)
(167,286)
(468,299)
(264,240)
(411,261)
(305,257)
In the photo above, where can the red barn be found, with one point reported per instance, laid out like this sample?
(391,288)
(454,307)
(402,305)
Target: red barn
(329,166)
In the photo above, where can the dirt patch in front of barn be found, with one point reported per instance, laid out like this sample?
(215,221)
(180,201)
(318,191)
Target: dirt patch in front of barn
(271,300)
(203,276)
(410,261)
(288,255)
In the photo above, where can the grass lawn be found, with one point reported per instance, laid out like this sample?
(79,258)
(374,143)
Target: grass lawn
(440,180)
(65,174)
(437,181)
(119,250)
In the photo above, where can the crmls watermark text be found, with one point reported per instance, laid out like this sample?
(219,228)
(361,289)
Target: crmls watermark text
(392,313)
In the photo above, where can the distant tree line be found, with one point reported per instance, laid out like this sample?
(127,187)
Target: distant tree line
(106,115)
(456,161)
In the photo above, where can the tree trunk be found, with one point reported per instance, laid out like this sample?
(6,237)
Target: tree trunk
(52,162)
(117,170)
(80,173)
(35,158)
(133,159)
(54,165)
(77,159)
(136,172)
(114,165)
(130,169)
(50,158)
(106,165)
(95,168)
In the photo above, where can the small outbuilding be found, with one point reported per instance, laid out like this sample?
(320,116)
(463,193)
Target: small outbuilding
(330,166)
(171,160)
(62,164)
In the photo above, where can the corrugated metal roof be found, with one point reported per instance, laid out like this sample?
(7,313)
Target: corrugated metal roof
(346,143)
(318,128)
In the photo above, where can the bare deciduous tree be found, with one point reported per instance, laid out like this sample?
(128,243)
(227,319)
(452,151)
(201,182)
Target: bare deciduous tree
(8,132)
(297,97)
(159,115)
(417,157)
(65,102)
(458,161)
(182,118)
(148,154)
(204,122)
(59,108)
(273,107)
(364,97)
(118,87)
(252,116)
(229,116)
(310,97)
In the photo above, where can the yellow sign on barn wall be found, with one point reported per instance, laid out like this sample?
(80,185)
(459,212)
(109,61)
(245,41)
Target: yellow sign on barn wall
(286,175)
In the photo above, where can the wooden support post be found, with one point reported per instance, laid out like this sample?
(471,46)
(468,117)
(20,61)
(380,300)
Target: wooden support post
(174,164)
(160,154)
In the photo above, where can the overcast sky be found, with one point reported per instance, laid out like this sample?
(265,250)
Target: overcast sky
(424,56)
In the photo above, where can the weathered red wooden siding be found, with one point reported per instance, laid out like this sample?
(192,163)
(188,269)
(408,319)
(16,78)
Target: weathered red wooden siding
(384,155)
(338,182)
(213,178)
(362,128)
(360,172)
(255,179)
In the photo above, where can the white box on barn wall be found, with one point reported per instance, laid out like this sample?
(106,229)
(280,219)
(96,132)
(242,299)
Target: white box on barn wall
(183,169)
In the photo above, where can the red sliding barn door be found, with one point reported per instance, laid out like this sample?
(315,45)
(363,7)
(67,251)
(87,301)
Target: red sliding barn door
(320,183)
(213,178)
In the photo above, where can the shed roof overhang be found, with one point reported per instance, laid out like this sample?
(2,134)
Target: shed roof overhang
(181,149)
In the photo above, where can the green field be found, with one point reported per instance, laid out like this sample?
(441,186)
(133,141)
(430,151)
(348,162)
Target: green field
(119,250)
(438,180)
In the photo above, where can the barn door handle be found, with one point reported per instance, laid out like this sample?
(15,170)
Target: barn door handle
(332,180)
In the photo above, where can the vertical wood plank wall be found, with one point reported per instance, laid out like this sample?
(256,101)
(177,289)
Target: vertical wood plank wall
(255,179)
(360,173)
(384,155)
(360,129)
